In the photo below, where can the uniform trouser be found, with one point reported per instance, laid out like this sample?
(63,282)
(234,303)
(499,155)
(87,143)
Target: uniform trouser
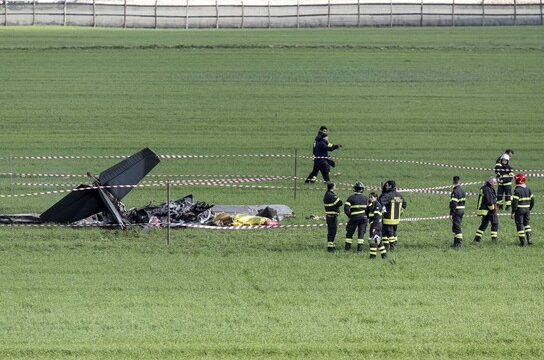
(457,219)
(389,234)
(504,195)
(319,166)
(376,243)
(359,223)
(492,218)
(522,217)
(332,226)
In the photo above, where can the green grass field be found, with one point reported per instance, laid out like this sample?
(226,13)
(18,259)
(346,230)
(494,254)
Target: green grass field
(448,95)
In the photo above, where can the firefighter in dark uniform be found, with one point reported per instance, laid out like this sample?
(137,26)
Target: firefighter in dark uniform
(354,208)
(507,152)
(332,209)
(374,214)
(505,175)
(392,205)
(487,209)
(523,202)
(457,211)
(321,161)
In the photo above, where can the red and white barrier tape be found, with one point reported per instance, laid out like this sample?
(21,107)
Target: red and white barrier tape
(242,227)
(193,156)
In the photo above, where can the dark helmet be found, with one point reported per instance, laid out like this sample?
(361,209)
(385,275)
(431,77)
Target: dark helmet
(358,186)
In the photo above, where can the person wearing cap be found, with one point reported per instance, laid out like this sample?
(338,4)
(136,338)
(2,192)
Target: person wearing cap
(393,203)
(505,175)
(457,211)
(321,159)
(523,202)
(374,214)
(487,209)
(332,209)
(354,208)
(507,153)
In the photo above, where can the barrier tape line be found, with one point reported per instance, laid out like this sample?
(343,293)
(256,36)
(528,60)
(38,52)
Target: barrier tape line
(7,174)
(239,227)
(193,156)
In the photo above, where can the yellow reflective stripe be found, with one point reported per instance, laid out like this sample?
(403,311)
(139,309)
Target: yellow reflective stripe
(392,209)
(524,206)
(491,207)
(331,212)
(525,199)
(455,199)
(358,206)
(377,213)
(515,197)
(506,184)
(348,203)
(357,212)
(482,212)
(459,207)
(391,221)
(330,145)
(334,203)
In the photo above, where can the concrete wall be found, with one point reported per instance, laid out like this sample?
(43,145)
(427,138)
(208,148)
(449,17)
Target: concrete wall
(273,13)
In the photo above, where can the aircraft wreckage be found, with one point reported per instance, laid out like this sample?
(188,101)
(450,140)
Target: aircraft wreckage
(99,204)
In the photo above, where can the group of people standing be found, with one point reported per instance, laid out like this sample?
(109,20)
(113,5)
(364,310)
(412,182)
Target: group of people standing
(382,213)
(490,202)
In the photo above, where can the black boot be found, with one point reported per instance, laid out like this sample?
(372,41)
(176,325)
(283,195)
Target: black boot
(529,238)
(347,246)
(360,248)
(522,241)
(330,247)
(477,238)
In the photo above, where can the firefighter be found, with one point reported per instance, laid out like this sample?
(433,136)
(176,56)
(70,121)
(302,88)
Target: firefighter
(354,208)
(522,204)
(507,152)
(321,161)
(374,214)
(392,205)
(505,175)
(487,209)
(332,209)
(457,211)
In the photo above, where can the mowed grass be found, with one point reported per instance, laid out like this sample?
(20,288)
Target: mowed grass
(449,95)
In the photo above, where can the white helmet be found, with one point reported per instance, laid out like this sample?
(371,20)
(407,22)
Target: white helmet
(505,157)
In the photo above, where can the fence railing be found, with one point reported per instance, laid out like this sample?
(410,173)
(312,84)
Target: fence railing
(191,14)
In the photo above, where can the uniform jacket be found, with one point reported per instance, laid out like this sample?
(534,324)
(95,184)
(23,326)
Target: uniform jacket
(332,203)
(392,205)
(487,201)
(523,198)
(356,205)
(457,201)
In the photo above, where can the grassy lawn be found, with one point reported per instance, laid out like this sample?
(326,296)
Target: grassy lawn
(448,95)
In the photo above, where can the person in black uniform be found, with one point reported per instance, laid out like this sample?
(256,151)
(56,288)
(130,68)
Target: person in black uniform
(487,209)
(505,175)
(507,152)
(523,202)
(332,209)
(321,161)
(457,211)
(392,205)
(354,208)
(374,214)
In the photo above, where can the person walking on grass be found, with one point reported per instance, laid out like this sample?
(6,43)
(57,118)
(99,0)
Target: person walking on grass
(321,158)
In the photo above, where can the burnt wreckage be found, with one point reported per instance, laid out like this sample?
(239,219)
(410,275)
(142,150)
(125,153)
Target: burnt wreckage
(100,204)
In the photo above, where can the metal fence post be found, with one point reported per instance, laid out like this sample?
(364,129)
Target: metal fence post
(94,13)
(391,13)
(125,14)
(33,12)
(11,174)
(269,16)
(329,13)
(64,15)
(421,14)
(168,219)
(295,188)
(187,14)
(483,12)
(216,14)
(5,12)
(358,13)
(156,1)
(453,13)
(242,24)
(298,11)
